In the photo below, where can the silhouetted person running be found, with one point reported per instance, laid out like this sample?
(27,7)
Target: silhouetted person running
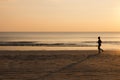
(99,45)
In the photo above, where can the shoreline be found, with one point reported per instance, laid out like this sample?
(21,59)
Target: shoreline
(107,50)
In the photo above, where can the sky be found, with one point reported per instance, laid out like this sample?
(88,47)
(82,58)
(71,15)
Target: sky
(59,15)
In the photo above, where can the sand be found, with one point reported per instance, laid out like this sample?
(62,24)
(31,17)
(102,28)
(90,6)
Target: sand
(59,65)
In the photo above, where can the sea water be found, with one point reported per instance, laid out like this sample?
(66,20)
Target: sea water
(58,40)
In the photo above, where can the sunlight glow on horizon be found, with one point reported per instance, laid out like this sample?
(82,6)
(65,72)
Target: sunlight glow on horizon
(60,15)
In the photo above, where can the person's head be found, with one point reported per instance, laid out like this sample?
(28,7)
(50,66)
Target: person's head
(99,37)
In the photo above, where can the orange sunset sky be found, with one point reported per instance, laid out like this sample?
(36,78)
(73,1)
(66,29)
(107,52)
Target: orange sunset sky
(59,15)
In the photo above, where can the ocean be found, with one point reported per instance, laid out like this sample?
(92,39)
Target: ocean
(58,40)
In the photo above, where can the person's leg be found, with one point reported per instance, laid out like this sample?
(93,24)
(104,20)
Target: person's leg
(98,49)
(102,50)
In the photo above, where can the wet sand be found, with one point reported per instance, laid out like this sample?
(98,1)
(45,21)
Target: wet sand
(59,65)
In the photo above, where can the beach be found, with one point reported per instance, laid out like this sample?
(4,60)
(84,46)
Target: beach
(60,65)
(59,39)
